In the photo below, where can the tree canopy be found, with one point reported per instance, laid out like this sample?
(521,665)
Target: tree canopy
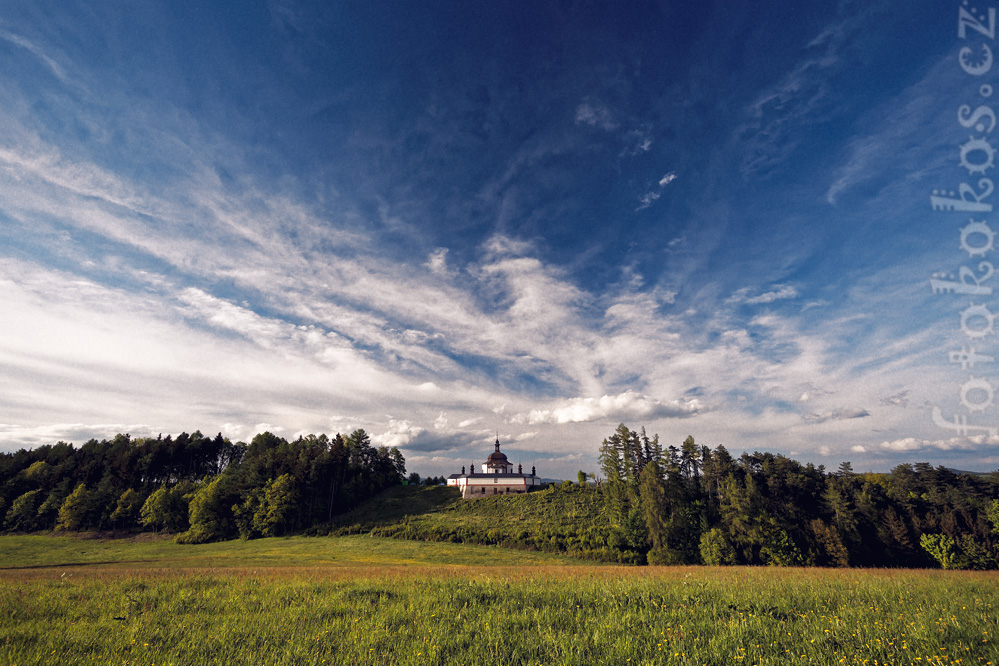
(691,504)
(207,488)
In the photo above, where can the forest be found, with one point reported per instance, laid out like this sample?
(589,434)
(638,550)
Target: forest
(649,503)
(204,489)
(691,504)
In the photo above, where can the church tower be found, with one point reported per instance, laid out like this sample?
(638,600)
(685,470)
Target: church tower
(497,462)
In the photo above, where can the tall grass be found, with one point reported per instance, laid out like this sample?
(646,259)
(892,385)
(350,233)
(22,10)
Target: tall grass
(434,613)
(37,550)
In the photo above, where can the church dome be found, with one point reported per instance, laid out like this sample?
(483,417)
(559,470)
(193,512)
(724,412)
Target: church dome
(497,456)
(497,460)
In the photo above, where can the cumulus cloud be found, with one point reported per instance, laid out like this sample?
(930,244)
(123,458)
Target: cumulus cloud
(76,433)
(909,444)
(629,404)
(441,439)
(399,434)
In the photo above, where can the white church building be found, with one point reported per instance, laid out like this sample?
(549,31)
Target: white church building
(496,478)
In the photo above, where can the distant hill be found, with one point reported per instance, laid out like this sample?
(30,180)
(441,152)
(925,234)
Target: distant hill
(562,518)
(964,471)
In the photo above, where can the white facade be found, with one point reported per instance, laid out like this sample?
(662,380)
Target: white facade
(496,478)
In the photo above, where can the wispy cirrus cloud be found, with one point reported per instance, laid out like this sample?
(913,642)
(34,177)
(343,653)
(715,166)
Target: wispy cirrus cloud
(652,196)
(778,293)
(469,257)
(777,118)
(53,66)
(897,134)
(595,114)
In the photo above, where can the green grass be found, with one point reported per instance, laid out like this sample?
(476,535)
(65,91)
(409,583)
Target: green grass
(558,519)
(60,552)
(397,503)
(364,600)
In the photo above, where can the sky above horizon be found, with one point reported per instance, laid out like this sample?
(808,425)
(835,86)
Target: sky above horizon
(445,221)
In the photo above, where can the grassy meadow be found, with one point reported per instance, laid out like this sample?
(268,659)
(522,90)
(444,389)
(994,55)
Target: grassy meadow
(560,519)
(366,600)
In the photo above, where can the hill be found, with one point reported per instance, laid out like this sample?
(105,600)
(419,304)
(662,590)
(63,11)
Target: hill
(562,518)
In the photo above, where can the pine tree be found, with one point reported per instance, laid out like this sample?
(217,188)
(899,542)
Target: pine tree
(655,509)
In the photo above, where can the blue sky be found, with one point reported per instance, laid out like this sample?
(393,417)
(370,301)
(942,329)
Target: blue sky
(439,221)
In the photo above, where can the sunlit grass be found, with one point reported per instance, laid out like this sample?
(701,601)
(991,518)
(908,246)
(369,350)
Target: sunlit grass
(360,606)
(36,550)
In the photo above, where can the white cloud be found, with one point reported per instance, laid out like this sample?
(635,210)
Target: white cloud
(53,66)
(624,406)
(362,335)
(836,415)
(636,142)
(909,444)
(900,399)
(438,261)
(896,134)
(781,292)
(651,197)
(800,98)
(595,114)
(399,434)
(78,433)
(647,200)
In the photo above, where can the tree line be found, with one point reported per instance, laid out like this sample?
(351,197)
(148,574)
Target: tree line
(203,488)
(690,504)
